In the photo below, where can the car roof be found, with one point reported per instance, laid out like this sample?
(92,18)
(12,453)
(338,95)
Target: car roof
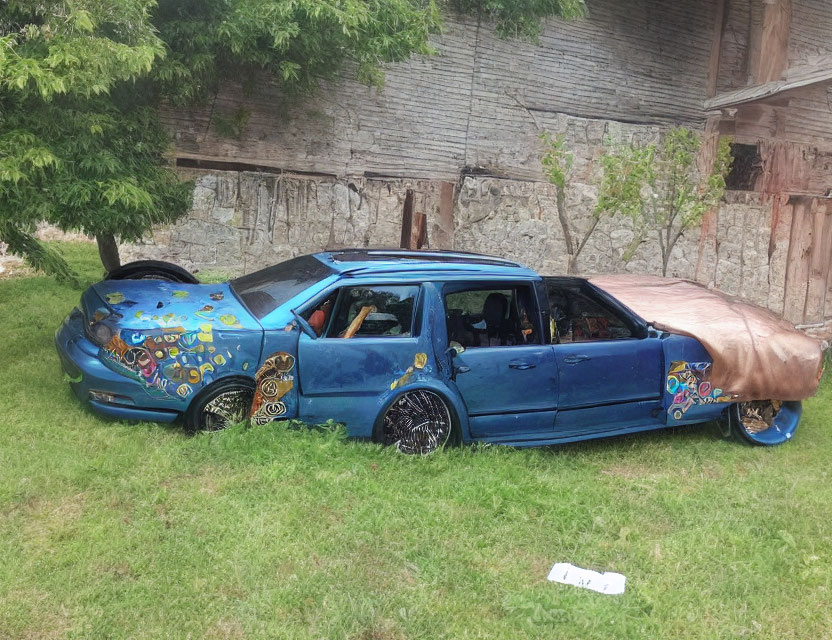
(390,261)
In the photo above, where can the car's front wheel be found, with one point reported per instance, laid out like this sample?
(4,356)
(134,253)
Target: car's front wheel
(418,422)
(764,422)
(221,405)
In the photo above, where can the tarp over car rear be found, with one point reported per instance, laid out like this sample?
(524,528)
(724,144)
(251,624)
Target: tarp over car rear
(756,354)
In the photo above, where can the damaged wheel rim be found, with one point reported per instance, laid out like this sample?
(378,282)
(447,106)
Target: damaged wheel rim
(418,422)
(767,422)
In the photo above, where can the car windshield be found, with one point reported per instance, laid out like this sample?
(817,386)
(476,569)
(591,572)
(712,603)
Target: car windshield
(265,290)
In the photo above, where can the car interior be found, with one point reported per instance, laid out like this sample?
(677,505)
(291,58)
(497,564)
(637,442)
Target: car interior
(490,317)
(576,317)
(365,312)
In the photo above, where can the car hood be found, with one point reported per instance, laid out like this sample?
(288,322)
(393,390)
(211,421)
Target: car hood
(153,304)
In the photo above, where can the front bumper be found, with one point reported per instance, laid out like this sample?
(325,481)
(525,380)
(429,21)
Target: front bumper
(85,372)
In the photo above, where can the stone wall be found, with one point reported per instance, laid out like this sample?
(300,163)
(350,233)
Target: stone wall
(242,221)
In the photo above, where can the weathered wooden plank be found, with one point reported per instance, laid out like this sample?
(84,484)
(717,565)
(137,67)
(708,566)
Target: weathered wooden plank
(812,75)
(778,250)
(774,49)
(720,20)
(811,26)
(407,222)
(797,269)
(819,261)
(441,235)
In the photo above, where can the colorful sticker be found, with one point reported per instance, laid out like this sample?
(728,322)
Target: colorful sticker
(274,380)
(689,384)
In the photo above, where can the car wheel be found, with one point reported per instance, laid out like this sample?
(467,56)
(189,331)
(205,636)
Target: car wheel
(418,422)
(152,270)
(764,422)
(222,404)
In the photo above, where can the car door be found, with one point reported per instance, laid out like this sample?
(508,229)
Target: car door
(609,366)
(506,374)
(367,342)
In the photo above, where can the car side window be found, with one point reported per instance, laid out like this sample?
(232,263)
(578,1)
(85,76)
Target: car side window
(372,311)
(491,317)
(576,317)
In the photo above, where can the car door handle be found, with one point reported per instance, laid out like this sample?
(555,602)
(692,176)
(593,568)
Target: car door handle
(521,365)
(461,369)
(575,359)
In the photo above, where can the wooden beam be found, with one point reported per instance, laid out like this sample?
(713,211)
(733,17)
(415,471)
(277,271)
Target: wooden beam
(716,48)
(419,233)
(819,72)
(774,44)
(407,220)
(442,231)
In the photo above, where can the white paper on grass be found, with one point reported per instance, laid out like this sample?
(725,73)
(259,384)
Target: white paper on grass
(607,582)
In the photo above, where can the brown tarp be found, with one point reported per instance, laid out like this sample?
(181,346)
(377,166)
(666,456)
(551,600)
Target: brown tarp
(756,354)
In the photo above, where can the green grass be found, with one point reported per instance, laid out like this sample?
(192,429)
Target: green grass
(119,530)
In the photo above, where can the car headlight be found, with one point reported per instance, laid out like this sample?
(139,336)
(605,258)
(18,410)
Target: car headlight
(99,333)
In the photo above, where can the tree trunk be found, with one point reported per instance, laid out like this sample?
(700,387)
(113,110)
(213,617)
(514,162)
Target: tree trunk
(666,260)
(572,263)
(108,251)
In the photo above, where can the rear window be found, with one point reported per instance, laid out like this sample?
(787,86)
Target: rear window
(265,290)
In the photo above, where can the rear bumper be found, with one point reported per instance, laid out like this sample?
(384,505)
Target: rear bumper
(85,372)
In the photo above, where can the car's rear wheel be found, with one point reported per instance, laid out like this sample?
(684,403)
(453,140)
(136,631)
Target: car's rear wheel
(764,422)
(221,405)
(152,270)
(418,422)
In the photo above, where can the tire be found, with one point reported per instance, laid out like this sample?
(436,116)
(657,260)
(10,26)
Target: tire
(764,423)
(152,270)
(224,403)
(417,422)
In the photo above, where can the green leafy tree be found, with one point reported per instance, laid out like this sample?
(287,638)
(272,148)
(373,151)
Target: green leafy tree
(521,18)
(659,188)
(76,148)
(557,167)
(297,42)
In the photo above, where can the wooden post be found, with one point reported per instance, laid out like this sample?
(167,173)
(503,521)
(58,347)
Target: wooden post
(774,44)
(407,220)
(710,144)
(442,231)
(419,233)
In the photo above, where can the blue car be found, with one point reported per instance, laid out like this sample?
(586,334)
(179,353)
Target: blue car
(413,349)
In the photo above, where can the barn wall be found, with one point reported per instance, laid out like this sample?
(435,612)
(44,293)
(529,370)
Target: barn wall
(811,28)
(479,102)
(341,163)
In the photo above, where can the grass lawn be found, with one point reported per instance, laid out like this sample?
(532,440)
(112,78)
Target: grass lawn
(119,530)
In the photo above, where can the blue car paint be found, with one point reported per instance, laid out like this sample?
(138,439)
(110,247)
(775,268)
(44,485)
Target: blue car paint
(189,336)
(524,395)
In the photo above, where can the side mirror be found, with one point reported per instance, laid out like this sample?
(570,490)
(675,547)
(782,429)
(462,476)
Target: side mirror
(304,325)
(454,349)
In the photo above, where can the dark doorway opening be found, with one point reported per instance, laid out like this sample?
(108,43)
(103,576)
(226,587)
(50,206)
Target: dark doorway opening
(746,167)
